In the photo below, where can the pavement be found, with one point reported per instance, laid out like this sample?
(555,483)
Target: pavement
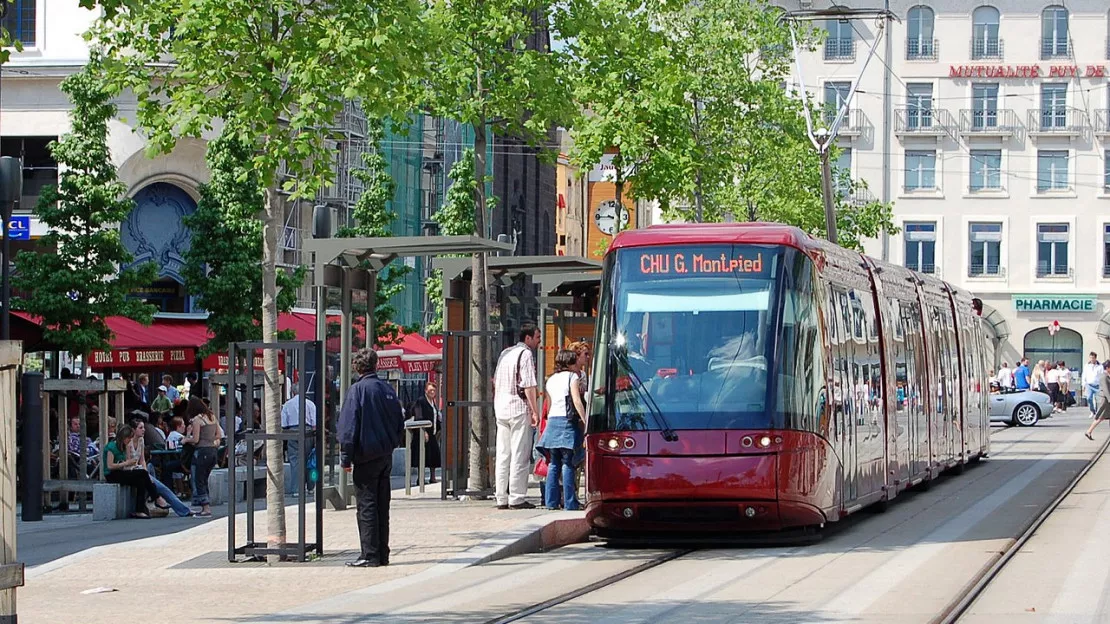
(179,565)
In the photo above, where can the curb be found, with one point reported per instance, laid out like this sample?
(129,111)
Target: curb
(548,536)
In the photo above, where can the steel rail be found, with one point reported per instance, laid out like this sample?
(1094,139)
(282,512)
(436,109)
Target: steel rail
(958,607)
(588,589)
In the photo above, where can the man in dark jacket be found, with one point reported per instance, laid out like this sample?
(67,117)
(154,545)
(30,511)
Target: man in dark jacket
(370,427)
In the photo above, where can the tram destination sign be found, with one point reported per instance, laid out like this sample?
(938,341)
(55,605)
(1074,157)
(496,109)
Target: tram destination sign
(704,262)
(1054,303)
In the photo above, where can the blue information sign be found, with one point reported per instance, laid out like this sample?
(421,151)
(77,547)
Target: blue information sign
(19,228)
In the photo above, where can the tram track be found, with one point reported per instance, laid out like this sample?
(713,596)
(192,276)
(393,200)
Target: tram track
(952,613)
(979,584)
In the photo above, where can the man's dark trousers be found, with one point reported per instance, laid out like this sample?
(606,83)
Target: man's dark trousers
(372,491)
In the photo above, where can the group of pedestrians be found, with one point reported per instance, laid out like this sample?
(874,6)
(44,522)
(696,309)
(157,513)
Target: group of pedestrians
(1051,378)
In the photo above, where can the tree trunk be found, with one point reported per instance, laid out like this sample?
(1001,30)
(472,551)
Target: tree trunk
(479,321)
(699,213)
(271,396)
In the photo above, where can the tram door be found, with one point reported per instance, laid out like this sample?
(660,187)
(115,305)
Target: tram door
(916,386)
(844,420)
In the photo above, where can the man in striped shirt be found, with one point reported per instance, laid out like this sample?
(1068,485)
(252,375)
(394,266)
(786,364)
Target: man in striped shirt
(514,405)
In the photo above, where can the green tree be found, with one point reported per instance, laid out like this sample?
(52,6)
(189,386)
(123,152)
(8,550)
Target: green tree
(455,218)
(74,282)
(221,267)
(373,218)
(282,70)
(493,72)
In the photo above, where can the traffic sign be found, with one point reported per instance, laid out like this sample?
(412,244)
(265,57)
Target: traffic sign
(19,228)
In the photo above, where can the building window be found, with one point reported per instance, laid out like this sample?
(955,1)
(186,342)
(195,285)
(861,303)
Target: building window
(921,170)
(985,241)
(840,45)
(1054,33)
(921,245)
(1106,250)
(986,170)
(39,167)
(19,21)
(836,96)
(1052,249)
(919,105)
(1054,105)
(920,43)
(842,170)
(984,39)
(1052,170)
(984,105)
(1106,172)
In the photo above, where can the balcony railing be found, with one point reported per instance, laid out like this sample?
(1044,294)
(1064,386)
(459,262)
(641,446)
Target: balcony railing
(919,121)
(1045,270)
(986,48)
(1056,121)
(982,122)
(1102,122)
(1055,49)
(921,49)
(986,270)
(840,49)
(862,196)
(923,268)
(851,125)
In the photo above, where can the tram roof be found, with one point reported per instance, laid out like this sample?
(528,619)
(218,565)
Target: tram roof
(708,233)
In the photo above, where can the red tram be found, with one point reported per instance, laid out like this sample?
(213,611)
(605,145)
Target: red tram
(749,377)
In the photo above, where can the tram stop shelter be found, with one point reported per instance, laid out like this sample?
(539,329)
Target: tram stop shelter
(567,294)
(349,264)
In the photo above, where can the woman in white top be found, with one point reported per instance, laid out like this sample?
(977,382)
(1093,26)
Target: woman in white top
(1052,380)
(564,431)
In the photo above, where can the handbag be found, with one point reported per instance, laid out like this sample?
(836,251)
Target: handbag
(187,451)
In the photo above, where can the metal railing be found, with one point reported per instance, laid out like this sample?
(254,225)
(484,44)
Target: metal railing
(1053,49)
(921,49)
(840,49)
(986,48)
(1106,270)
(1044,270)
(861,196)
(976,121)
(919,120)
(923,268)
(1057,120)
(1102,121)
(851,124)
(986,270)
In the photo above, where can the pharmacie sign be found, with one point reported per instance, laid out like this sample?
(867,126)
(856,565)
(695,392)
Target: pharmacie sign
(1028,71)
(1054,303)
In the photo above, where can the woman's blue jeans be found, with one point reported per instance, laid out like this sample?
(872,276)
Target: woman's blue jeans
(560,470)
(179,507)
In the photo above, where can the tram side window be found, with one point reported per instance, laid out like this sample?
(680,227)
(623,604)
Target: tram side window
(901,356)
(803,370)
(915,373)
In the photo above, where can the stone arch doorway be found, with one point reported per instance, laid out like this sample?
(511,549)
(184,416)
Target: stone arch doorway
(155,232)
(1066,345)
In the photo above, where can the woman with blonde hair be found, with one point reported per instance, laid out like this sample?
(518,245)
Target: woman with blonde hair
(1037,381)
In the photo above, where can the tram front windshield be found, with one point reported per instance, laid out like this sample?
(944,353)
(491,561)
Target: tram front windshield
(690,338)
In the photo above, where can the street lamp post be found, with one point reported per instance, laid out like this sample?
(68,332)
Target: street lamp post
(11,187)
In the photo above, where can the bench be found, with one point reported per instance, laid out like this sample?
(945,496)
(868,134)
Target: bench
(217,484)
(112,501)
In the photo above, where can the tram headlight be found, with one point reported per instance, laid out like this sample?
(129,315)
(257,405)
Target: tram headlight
(765,441)
(746,441)
(613,444)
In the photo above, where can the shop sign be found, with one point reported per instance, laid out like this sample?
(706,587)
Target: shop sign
(1054,303)
(140,358)
(219,362)
(1028,71)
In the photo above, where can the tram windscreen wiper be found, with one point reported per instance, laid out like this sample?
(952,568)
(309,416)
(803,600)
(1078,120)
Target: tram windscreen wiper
(660,420)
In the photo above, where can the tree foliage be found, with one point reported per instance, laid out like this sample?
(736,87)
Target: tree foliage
(373,218)
(74,282)
(280,73)
(222,268)
(455,218)
(691,95)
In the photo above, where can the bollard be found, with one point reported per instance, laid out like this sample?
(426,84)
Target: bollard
(32,447)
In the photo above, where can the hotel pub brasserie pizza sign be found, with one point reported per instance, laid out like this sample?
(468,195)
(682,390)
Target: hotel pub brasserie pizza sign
(1028,71)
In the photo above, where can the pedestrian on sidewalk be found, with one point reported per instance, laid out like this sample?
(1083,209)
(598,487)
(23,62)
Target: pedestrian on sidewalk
(1038,382)
(1102,411)
(1022,376)
(291,422)
(1065,386)
(371,425)
(124,470)
(514,405)
(205,432)
(1091,372)
(1052,379)
(426,408)
(564,431)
